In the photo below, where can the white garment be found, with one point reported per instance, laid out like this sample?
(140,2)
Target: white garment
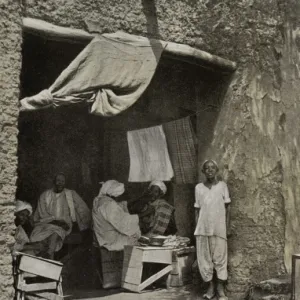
(21,239)
(22,205)
(149,157)
(212,216)
(114,227)
(112,188)
(212,254)
(160,184)
(66,206)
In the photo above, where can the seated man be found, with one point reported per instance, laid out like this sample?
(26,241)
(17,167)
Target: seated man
(113,225)
(58,211)
(24,229)
(158,218)
(114,228)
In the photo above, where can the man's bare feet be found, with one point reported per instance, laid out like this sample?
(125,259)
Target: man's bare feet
(221,290)
(210,291)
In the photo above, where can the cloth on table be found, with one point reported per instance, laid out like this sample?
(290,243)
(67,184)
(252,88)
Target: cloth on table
(212,254)
(149,157)
(66,206)
(176,241)
(111,73)
(181,144)
(212,216)
(113,226)
(162,217)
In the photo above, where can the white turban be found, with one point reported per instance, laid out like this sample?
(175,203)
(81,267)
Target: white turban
(213,161)
(21,205)
(112,188)
(160,184)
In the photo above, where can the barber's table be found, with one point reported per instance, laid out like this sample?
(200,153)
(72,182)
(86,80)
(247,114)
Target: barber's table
(171,260)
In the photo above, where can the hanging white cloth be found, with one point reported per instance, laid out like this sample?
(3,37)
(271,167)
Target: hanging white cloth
(149,157)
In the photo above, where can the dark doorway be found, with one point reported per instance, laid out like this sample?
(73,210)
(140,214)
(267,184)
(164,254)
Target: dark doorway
(90,149)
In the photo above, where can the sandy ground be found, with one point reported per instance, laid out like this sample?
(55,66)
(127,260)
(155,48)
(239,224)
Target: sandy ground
(187,292)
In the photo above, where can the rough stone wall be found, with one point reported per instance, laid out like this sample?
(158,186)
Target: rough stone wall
(256,134)
(10,65)
(288,135)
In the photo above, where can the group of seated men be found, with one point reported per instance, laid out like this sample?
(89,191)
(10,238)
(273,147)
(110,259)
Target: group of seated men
(60,211)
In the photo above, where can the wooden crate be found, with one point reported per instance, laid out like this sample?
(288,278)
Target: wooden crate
(41,267)
(111,264)
(47,283)
(182,261)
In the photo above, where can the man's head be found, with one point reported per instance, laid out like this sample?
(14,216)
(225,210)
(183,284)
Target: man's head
(59,182)
(157,189)
(22,217)
(112,188)
(210,169)
(23,212)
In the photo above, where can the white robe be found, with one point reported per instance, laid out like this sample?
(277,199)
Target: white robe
(113,225)
(67,207)
(21,239)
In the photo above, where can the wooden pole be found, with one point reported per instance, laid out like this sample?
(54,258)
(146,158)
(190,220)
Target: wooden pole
(198,57)
(172,50)
(54,32)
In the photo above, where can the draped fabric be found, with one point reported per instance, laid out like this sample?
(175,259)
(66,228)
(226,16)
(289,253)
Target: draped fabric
(181,144)
(149,157)
(162,217)
(111,73)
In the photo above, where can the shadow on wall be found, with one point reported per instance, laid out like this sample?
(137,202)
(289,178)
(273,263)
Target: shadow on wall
(209,105)
(149,10)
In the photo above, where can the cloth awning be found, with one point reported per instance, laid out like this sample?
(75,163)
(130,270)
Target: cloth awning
(111,73)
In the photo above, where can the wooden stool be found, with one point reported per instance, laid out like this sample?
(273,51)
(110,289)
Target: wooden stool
(135,257)
(47,278)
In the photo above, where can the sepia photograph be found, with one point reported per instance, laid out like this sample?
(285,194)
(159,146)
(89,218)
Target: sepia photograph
(149,149)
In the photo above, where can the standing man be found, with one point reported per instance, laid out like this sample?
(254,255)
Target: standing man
(212,218)
(58,211)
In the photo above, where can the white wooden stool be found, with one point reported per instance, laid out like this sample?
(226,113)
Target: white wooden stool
(134,259)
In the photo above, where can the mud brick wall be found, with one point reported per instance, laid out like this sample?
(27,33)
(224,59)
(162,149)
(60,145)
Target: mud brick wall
(10,65)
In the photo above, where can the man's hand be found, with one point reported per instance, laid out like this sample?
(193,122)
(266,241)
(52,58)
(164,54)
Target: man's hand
(134,239)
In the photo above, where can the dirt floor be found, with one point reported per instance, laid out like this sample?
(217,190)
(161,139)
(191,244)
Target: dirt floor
(188,292)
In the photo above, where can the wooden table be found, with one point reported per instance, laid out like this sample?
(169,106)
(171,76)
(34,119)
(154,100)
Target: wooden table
(135,257)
